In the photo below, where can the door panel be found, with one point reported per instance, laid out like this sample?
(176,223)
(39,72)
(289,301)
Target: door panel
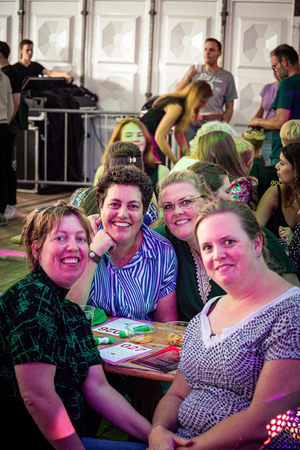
(254,30)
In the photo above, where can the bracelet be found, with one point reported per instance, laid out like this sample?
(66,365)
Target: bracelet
(94,257)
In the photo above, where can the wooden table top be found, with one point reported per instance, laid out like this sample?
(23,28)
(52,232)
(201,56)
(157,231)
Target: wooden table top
(128,368)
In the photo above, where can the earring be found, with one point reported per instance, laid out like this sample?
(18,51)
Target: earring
(295,178)
(258,255)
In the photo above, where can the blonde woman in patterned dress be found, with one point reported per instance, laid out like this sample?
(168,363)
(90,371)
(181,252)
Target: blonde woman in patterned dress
(237,384)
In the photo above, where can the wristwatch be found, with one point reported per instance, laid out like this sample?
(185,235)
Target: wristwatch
(96,258)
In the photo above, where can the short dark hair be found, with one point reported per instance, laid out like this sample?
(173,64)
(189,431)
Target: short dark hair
(4,49)
(127,176)
(286,51)
(216,41)
(25,42)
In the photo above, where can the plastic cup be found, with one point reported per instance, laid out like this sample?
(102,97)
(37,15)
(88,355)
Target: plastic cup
(89,312)
(175,332)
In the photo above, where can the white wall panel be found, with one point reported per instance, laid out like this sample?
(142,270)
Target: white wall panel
(55,28)
(118,42)
(181,30)
(9,22)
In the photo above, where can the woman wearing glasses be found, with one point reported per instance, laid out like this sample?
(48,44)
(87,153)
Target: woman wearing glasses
(182,195)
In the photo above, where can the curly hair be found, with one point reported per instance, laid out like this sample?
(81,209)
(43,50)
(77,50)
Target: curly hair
(247,219)
(41,221)
(123,154)
(191,97)
(127,176)
(149,159)
(292,153)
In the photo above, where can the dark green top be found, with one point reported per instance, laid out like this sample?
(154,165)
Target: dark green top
(190,268)
(287,97)
(38,324)
(189,300)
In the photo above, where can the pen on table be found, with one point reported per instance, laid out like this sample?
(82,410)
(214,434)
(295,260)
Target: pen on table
(126,333)
(104,340)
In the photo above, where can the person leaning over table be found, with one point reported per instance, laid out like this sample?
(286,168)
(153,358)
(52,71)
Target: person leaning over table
(132,270)
(238,376)
(50,366)
(182,195)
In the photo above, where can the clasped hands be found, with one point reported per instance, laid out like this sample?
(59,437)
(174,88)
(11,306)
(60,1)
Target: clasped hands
(162,439)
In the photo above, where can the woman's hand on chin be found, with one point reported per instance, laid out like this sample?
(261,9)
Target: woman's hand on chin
(102,242)
(162,439)
(95,221)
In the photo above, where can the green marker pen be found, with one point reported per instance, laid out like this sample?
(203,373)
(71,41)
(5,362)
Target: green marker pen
(104,340)
(126,333)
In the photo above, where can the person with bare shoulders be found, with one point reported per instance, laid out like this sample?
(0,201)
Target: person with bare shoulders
(278,208)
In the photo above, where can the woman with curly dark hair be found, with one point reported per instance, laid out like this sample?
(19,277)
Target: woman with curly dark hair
(132,270)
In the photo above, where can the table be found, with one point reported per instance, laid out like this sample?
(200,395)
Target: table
(128,368)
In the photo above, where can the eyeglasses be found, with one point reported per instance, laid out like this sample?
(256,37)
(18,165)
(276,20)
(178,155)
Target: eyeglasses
(273,67)
(184,203)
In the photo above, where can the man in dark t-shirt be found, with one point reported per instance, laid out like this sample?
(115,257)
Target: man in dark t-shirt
(26,67)
(15,81)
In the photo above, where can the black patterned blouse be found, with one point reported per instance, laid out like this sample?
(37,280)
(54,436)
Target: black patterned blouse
(38,324)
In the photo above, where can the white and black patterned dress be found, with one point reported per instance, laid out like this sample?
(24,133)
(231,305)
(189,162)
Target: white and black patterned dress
(223,370)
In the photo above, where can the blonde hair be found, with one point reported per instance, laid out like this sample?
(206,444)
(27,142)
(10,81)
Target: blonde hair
(255,137)
(290,132)
(245,150)
(185,176)
(208,127)
(191,97)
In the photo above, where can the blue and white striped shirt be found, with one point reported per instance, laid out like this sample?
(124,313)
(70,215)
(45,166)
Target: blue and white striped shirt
(133,290)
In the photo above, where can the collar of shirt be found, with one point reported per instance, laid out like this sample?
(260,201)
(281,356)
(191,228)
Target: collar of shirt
(147,249)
